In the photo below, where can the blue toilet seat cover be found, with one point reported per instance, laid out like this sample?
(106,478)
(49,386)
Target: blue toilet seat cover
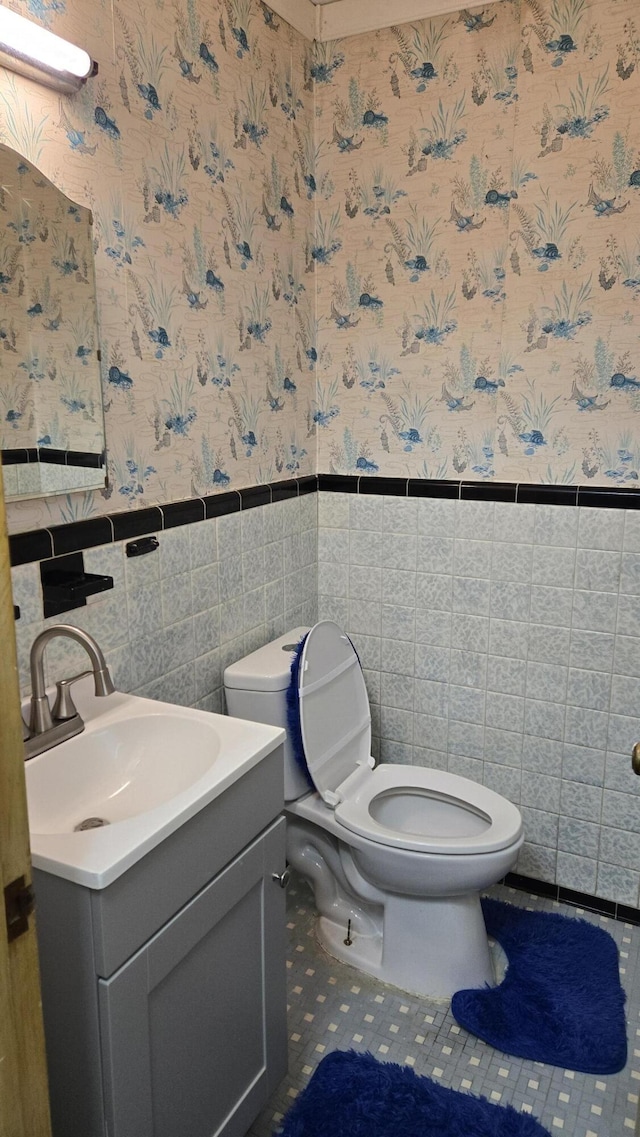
(335,718)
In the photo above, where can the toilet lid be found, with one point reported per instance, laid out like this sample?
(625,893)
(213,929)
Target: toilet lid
(335,718)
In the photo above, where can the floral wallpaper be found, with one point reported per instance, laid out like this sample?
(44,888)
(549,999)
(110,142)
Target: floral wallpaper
(50,392)
(414,252)
(477,246)
(192,148)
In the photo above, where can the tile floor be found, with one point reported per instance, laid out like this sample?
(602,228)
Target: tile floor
(332,1006)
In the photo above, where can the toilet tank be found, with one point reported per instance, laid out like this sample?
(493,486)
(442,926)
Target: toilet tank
(256,689)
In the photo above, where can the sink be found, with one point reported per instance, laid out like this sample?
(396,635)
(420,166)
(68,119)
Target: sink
(119,770)
(139,771)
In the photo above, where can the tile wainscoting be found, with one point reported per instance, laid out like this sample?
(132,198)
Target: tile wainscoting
(499,633)
(501,640)
(176,617)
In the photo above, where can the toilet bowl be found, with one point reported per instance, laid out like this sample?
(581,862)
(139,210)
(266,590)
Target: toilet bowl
(397,855)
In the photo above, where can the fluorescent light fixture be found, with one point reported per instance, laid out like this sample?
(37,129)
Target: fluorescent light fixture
(38,54)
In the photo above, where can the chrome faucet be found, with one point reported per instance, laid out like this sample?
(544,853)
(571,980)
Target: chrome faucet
(46,727)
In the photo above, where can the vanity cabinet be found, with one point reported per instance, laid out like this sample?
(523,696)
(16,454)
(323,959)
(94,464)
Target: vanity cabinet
(164,994)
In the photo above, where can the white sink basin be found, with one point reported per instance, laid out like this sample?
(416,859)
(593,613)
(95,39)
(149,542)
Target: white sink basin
(142,767)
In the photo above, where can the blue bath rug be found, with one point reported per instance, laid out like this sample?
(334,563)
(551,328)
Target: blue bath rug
(354,1095)
(560,1001)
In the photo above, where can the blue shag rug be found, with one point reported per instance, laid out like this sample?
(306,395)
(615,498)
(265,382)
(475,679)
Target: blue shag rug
(354,1095)
(560,1001)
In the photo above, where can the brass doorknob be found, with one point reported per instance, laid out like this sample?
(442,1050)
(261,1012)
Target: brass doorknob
(635,758)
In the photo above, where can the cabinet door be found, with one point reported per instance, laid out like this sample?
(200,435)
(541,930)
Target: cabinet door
(193,1027)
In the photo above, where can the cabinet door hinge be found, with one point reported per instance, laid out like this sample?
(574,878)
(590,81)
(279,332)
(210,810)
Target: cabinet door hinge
(19,902)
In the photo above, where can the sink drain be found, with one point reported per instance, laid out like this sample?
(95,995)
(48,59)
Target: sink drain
(90,823)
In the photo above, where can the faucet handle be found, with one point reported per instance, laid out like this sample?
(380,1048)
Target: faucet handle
(64,706)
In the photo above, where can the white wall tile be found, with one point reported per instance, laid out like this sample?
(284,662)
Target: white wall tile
(466,704)
(503,746)
(506,712)
(436,518)
(399,515)
(553,566)
(472,596)
(435,555)
(627,656)
(630,574)
(583,764)
(433,627)
(365,583)
(551,605)
(510,600)
(555,525)
(365,548)
(466,739)
(333,545)
(580,873)
(503,780)
(595,611)
(365,512)
(600,528)
(398,587)
(472,558)
(616,883)
(514,523)
(474,519)
(434,590)
(548,644)
(511,562)
(540,826)
(506,675)
(593,650)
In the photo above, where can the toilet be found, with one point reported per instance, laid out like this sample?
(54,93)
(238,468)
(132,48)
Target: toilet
(397,855)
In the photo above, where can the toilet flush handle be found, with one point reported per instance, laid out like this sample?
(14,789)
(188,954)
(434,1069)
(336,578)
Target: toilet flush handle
(635,758)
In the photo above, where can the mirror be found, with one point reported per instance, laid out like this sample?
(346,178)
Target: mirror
(51,418)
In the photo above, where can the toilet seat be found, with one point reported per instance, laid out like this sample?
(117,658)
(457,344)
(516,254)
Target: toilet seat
(389,805)
(401,806)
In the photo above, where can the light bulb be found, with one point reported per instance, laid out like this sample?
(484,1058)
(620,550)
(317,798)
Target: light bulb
(23,42)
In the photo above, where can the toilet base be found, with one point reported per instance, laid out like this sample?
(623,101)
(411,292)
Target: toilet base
(430,948)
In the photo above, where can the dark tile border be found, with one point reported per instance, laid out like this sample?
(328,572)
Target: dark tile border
(546,495)
(309,484)
(338,483)
(253,496)
(182,513)
(392,487)
(58,540)
(485,491)
(584,900)
(53,456)
(81,535)
(282,491)
(38,544)
(136,523)
(34,545)
(436,487)
(220,504)
(19,456)
(602,497)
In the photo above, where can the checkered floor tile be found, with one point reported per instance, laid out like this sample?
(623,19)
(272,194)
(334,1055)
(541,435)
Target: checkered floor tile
(334,1007)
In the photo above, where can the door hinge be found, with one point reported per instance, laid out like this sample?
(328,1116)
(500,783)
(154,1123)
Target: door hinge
(19,902)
